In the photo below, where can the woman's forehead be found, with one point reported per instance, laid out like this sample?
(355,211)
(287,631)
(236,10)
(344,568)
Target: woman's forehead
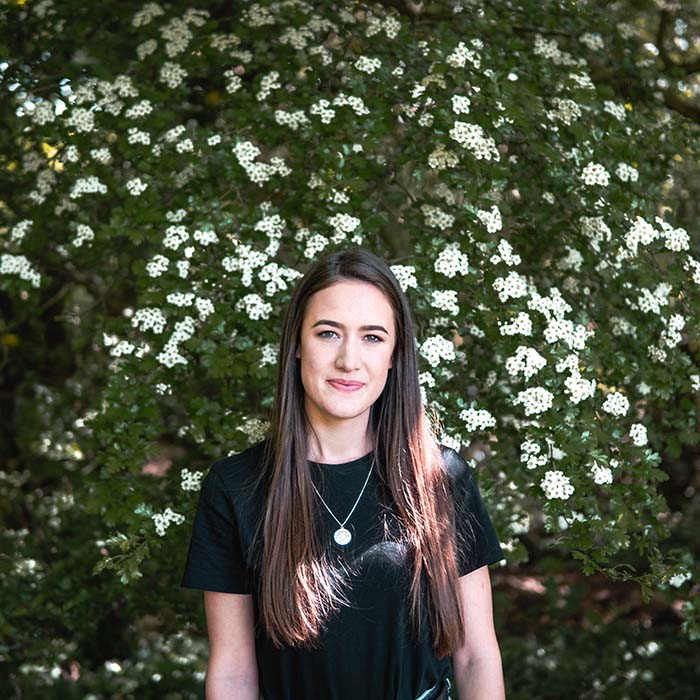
(351,298)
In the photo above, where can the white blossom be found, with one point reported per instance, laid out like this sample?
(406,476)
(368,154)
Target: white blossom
(638,434)
(618,111)
(172,74)
(531,455)
(255,307)
(460,104)
(475,140)
(405,275)
(627,173)
(520,325)
(19,265)
(190,481)
(149,319)
(679,579)
(476,419)
(445,300)
(491,219)
(601,474)
(82,119)
(368,65)
(616,403)
(556,485)
(526,362)
(595,174)
(436,348)
(136,186)
(163,520)
(513,286)
(451,261)
(534,400)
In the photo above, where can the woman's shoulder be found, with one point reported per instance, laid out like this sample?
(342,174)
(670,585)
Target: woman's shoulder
(456,466)
(237,470)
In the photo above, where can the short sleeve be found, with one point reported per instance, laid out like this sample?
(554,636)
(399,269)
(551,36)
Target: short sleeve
(215,560)
(477,541)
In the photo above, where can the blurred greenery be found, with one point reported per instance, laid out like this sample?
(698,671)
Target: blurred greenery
(135,341)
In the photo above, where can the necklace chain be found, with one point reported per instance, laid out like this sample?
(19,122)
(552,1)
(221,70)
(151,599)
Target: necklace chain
(356,502)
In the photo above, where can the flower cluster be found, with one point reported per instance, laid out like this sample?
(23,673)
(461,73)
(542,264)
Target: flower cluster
(440,158)
(259,173)
(20,230)
(565,110)
(474,139)
(437,348)
(459,57)
(436,217)
(618,111)
(19,265)
(476,419)
(83,233)
(460,104)
(534,400)
(172,74)
(505,254)
(268,83)
(255,307)
(520,325)
(526,362)
(616,403)
(405,275)
(190,481)
(627,173)
(368,65)
(87,185)
(149,319)
(601,474)
(595,174)
(592,41)
(83,120)
(451,261)
(513,286)
(163,520)
(531,455)
(491,219)
(136,186)
(445,300)
(170,354)
(638,434)
(556,484)
(679,579)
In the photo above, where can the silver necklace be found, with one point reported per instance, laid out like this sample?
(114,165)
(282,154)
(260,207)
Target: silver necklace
(342,535)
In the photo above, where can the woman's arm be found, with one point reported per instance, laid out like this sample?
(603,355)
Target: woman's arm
(232,671)
(478,673)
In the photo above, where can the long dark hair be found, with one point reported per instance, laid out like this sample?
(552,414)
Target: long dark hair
(298,586)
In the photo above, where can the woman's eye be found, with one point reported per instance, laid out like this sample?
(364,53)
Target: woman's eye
(376,338)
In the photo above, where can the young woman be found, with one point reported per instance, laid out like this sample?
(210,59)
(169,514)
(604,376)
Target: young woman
(345,556)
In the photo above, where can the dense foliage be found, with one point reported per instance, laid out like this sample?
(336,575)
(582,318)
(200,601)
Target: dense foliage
(169,170)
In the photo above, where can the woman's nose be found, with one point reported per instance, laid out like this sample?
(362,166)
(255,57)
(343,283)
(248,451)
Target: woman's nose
(348,355)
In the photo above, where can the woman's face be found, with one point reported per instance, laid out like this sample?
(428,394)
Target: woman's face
(347,335)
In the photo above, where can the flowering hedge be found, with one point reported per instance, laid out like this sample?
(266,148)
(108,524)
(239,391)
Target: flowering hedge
(174,172)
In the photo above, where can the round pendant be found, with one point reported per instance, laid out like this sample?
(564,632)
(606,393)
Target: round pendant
(342,536)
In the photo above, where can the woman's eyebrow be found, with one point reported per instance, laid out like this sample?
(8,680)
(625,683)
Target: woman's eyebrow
(326,322)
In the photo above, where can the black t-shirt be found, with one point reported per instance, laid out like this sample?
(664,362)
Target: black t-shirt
(367,650)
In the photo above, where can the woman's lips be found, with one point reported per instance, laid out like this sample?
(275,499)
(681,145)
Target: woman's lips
(346,388)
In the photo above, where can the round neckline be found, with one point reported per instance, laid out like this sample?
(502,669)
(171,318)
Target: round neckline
(354,462)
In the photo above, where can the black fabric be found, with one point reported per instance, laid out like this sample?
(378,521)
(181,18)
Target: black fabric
(367,650)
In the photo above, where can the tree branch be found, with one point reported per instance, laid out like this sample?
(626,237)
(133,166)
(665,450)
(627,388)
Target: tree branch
(675,102)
